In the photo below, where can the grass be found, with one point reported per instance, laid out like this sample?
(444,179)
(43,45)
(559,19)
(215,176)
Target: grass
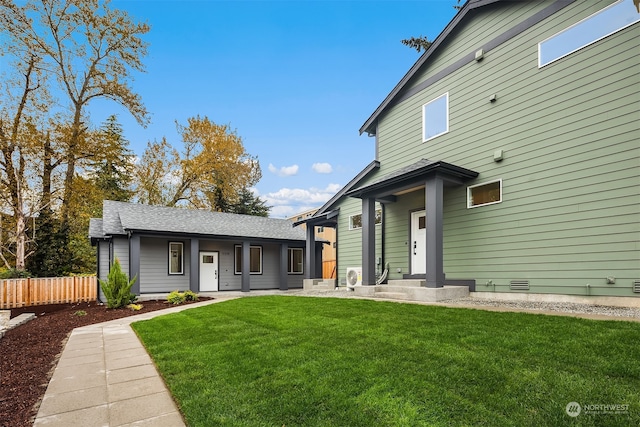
(294,361)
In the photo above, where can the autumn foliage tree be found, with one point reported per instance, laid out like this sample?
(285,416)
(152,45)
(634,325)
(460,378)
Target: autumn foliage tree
(212,167)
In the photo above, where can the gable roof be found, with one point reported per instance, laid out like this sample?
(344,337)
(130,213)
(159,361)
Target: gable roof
(396,95)
(120,218)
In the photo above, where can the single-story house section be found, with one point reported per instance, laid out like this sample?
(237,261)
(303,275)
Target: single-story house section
(171,249)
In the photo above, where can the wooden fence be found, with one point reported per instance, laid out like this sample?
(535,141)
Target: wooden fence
(49,290)
(329,269)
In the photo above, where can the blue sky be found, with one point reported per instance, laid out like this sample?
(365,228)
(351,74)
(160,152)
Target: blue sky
(296,79)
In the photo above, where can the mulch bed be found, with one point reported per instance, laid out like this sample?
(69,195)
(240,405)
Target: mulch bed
(29,353)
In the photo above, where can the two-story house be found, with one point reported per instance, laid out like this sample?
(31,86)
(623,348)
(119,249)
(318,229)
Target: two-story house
(507,158)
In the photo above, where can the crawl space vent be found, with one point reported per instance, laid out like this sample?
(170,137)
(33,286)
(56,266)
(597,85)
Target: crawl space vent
(636,286)
(519,285)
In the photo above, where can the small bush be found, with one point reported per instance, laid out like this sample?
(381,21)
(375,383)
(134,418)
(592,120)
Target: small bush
(135,307)
(14,273)
(117,287)
(80,313)
(190,296)
(176,297)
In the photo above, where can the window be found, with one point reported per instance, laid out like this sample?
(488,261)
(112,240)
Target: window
(591,29)
(176,258)
(435,117)
(484,194)
(295,261)
(355,221)
(255,260)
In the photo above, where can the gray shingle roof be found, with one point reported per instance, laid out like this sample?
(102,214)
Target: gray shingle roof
(120,217)
(96,228)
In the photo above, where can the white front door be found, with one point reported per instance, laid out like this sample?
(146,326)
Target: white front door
(208,271)
(418,242)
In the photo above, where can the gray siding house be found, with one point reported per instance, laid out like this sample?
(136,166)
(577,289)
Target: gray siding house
(507,158)
(179,249)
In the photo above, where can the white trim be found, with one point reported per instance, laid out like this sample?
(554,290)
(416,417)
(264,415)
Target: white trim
(446,95)
(360,215)
(540,65)
(181,258)
(469,206)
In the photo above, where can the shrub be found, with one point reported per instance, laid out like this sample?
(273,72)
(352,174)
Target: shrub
(80,313)
(14,273)
(117,287)
(190,296)
(176,297)
(135,307)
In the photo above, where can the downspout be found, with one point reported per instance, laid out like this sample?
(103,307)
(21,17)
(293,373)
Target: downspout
(384,220)
(337,247)
(98,271)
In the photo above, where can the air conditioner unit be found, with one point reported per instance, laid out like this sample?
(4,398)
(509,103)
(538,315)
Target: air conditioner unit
(354,276)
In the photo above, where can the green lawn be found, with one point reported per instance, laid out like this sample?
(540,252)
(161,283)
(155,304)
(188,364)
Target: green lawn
(295,361)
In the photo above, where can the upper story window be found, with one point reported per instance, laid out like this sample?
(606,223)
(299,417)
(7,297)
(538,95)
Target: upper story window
(484,194)
(601,24)
(176,258)
(355,221)
(435,117)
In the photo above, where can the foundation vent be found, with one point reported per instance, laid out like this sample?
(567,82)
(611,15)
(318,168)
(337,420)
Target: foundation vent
(636,286)
(519,285)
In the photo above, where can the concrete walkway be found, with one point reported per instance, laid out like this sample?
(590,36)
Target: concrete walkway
(106,378)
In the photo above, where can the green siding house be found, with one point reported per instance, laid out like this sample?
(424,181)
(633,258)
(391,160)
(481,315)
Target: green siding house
(507,159)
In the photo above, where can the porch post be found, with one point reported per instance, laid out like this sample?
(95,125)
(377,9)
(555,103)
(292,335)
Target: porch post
(368,241)
(134,262)
(284,254)
(194,265)
(246,267)
(433,208)
(310,253)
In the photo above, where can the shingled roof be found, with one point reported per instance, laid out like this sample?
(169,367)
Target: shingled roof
(119,218)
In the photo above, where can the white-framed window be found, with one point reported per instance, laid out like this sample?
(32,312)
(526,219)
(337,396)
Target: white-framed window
(601,24)
(255,259)
(176,258)
(435,117)
(355,221)
(487,193)
(295,261)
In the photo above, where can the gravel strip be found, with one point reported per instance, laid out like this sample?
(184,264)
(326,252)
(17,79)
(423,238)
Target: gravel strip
(561,307)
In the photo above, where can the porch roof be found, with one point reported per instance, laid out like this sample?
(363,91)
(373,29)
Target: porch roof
(412,176)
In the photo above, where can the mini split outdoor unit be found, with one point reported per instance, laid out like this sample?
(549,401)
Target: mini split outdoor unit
(354,276)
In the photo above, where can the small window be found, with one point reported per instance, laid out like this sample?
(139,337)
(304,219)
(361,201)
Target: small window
(484,194)
(255,260)
(355,221)
(295,261)
(601,24)
(176,259)
(435,117)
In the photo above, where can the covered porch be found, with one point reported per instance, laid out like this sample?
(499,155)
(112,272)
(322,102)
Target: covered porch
(431,177)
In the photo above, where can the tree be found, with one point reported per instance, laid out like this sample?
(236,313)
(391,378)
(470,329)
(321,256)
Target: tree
(92,50)
(417,43)
(249,204)
(212,168)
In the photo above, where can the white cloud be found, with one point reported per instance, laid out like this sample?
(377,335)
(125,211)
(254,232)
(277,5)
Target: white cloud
(284,170)
(322,168)
(290,201)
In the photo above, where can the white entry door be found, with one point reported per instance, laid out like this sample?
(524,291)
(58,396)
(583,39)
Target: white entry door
(418,242)
(208,271)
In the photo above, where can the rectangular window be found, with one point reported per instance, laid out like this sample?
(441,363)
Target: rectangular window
(435,117)
(255,260)
(609,20)
(355,221)
(176,258)
(484,194)
(295,261)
